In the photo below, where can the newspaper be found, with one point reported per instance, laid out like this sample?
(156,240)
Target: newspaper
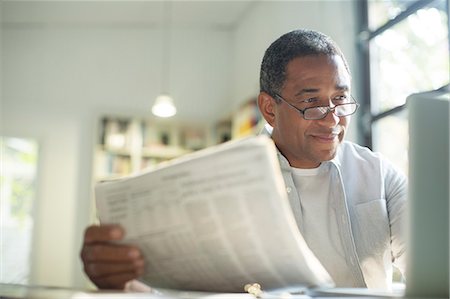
(214,221)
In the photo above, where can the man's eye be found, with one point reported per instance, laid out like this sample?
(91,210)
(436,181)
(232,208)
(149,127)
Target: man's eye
(310,100)
(343,98)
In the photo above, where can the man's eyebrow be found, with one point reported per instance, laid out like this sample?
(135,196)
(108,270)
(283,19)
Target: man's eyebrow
(344,87)
(307,90)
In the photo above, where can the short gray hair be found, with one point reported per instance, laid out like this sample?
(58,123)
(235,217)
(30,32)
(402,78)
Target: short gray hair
(297,43)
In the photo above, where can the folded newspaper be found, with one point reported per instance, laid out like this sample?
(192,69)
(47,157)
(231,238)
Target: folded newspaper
(214,220)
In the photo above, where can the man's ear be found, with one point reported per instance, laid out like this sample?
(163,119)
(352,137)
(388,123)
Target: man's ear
(266,105)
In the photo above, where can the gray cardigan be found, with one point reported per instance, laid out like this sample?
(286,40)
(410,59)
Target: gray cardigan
(372,207)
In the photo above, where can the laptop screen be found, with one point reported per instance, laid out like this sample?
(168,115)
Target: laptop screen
(428,250)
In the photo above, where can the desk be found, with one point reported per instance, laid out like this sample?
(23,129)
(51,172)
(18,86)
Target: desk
(11,291)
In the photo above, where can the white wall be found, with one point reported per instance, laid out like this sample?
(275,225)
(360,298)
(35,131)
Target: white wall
(57,80)
(114,69)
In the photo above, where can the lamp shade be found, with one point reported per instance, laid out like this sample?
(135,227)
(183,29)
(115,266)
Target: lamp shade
(164,106)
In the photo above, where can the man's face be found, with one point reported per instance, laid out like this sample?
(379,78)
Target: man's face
(310,81)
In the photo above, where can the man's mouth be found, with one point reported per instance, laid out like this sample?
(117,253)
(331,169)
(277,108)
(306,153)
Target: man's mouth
(326,137)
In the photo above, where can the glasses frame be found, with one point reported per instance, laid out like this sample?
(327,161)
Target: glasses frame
(329,109)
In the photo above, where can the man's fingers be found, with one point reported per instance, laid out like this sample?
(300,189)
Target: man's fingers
(104,270)
(109,253)
(103,233)
(110,265)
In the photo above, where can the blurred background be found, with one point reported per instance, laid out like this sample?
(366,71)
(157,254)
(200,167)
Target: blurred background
(79,81)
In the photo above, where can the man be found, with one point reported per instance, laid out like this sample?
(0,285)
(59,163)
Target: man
(349,203)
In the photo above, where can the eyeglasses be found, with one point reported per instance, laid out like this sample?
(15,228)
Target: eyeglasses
(320,112)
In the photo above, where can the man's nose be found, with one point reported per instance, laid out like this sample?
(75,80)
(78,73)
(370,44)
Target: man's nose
(331,120)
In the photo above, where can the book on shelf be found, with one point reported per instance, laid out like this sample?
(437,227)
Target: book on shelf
(214,220)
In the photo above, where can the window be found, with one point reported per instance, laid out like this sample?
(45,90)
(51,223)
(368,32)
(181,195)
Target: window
(17,182)
(407,51)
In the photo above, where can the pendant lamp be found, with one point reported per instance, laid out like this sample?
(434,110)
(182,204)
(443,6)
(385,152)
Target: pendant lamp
(164,105)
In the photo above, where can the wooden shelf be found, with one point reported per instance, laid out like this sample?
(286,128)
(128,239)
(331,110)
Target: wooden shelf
(164,152)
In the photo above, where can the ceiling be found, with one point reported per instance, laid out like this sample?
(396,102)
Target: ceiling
(222,14)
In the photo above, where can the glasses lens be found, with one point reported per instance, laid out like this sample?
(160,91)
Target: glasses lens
(315,112)
(345,109)
(321,112)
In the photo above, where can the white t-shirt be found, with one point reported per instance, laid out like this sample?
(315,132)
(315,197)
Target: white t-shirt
(320,222)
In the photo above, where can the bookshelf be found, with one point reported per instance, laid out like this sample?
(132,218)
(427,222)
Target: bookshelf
(127,145)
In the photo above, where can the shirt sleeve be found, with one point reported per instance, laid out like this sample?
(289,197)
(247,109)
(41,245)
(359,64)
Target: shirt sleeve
(396,188)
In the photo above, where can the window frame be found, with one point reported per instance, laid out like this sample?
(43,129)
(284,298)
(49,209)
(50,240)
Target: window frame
(367,118)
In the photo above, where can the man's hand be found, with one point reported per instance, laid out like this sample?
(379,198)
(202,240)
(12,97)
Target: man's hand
(110,265)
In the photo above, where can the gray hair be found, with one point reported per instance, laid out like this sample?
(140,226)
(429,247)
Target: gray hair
(297,43)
